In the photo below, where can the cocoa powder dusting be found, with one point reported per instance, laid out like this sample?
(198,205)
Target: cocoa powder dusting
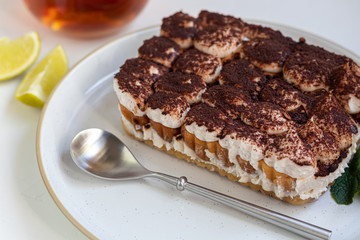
(169,103)
(242,74)
(204,115)
(143,69)
(207,18)
(268,50)
(196,62)
(160,49)
(242,102)
(179,25)
(228,99)
(187,85)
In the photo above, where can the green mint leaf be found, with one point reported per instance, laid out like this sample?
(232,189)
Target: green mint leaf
(348,184)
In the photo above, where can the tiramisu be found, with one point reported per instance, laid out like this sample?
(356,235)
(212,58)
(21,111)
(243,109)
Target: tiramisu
(243,100)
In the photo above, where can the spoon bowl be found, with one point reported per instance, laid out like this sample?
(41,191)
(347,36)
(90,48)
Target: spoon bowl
(103,155)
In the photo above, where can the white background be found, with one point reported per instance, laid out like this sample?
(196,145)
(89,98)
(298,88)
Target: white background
(26,208)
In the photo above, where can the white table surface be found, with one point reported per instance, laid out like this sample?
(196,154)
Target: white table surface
(26,209)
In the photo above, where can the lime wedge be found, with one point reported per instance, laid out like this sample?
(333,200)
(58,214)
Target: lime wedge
(18,55)
(40,81)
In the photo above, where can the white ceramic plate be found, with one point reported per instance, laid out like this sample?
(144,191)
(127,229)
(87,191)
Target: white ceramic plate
(150,209)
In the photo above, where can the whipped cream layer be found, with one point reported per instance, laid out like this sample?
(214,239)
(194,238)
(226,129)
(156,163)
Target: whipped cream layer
(218,41)
(304,187)
(134,101)
(169,109)
(165,119)
(202,133)
(249,148)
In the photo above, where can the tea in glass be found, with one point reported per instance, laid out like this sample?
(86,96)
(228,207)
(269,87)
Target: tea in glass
(85,17)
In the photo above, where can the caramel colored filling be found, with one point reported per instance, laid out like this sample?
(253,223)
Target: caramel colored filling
(165,133)
(198,145)
(222,154)
(135,120)
(245,165)
(279,179)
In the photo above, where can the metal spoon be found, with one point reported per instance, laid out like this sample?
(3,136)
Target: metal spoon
(103,155)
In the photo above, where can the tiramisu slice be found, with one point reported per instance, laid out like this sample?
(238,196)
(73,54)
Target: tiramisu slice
(279,116)
(287,159)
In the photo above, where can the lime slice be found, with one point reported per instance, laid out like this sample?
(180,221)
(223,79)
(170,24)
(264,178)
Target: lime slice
(18,55)
(40,81)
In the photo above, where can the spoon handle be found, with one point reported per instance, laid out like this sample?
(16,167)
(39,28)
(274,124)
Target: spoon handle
(297,226)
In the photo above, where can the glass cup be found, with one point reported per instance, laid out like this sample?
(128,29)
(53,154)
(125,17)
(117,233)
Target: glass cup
(85,18)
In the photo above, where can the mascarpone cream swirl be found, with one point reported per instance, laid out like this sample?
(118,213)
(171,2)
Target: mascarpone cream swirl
(323,145)
(267,117)
(232,101)
(268,54)
(132,92)
(244,141)
(309,67)
(179,27)
(207,18)
(205,65)
(190,86)
(296,103)
(144,70)
(257,31)
(160,49)
(242,74)
(347,86)
(205,122)
(332,118)
(218,41)
(169,109)
(288,154)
